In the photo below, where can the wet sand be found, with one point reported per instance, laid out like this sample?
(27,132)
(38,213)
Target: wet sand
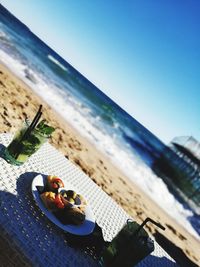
(18,102)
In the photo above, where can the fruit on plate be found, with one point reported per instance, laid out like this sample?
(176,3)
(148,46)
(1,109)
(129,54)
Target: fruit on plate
(82,200)
(58,202)
(76,215)
(48,199)
(70,198)
(54,183)
(52,201)
(66,205)
(70,216)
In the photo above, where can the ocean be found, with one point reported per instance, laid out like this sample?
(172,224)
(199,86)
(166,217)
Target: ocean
(113,131)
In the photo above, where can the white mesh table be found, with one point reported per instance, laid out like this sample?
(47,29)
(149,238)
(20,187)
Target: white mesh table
(29,238)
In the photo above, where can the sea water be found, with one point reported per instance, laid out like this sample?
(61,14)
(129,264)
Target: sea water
(113,131)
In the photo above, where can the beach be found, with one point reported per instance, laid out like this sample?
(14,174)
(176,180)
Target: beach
(18,101)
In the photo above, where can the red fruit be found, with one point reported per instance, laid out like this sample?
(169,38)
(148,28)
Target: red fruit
(58,202)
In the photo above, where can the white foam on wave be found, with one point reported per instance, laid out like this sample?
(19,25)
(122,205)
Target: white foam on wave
(72,111)
(14,65)
(3,35)
(55,61)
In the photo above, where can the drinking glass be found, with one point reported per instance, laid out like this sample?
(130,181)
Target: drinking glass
(24,145)
(130,246)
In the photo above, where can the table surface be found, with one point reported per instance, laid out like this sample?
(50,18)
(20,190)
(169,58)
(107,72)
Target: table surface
(32,238)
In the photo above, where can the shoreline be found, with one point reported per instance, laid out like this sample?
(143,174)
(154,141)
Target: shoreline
(95,164)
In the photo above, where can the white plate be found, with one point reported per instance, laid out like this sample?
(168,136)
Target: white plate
(84,229)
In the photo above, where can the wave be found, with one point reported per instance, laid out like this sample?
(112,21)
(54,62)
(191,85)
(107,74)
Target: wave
(55,61)
(147,153)
(29,74)
(3,36)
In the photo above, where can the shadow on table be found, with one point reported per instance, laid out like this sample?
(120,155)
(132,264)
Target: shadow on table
(160,261)
(13,210)
(91,245)
(2,148)
(23,189)
(15,214)
(19,209)
(24,182)
(175,252)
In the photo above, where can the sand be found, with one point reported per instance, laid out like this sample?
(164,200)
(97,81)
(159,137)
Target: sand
(17,101)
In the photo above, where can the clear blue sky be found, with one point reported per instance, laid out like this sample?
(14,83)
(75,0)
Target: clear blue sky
(145,55)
